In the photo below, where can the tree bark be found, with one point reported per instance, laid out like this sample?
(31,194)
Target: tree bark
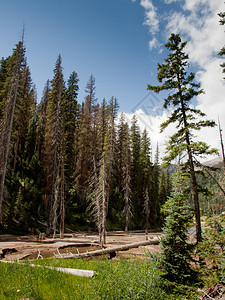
(191,165)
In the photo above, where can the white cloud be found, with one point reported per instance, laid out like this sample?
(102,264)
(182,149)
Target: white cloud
(171,1)
(151,18)
(154,43)
(205,39)
(152,125)
(198,23)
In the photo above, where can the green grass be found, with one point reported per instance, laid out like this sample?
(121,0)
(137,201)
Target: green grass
(125,279)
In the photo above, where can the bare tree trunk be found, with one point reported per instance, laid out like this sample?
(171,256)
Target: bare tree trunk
(146,212)
(97,203)
(104,202)
(191,165)
(127,207)
(62,206)
(222,145)
(55,206)
(7,122)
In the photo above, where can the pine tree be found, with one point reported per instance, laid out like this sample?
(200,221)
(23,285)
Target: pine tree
(4,72)
(72,115)
(25,114)
(148,202)
(12,84)
(71,135)
(123,172)
(164,191)
(222,51)
(136,185)
(176,258)
(173,76)
(155,187)
(41,121)
(54,140)
(109,149)
(87,140)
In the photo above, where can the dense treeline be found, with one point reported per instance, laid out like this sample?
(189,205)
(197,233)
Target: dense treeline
(69,162)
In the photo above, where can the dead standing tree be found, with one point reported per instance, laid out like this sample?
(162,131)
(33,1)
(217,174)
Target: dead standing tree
(98,200)
(147,212)
(7,121)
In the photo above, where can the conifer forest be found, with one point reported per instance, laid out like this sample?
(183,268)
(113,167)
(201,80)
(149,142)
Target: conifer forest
(70,166)
(80,166)
(65,163)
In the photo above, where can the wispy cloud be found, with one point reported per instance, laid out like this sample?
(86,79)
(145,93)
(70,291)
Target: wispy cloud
(197,22)
(154,43)
(171,1)
(151,18)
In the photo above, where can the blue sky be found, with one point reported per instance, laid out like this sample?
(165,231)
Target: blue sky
(103,37)
(120,42)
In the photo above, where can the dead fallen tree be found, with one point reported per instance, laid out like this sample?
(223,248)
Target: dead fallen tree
(112,251)
(76,272)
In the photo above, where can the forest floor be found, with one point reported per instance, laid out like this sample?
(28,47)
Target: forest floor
(14,247)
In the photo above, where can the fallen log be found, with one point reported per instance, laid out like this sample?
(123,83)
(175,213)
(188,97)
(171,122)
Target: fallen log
(76,272)
(113,250)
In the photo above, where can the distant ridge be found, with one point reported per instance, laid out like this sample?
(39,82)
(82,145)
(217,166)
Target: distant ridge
(215,163)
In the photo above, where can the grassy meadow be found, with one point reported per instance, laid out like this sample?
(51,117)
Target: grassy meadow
(125,279)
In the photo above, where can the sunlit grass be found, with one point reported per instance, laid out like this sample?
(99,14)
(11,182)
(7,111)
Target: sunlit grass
(124,279)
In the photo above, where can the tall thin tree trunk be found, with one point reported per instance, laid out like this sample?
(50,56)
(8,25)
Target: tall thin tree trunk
(104,202)
(192,171)
(7,122)
(55,206)
(146,212)
(127,207)
(222,145)
(62,205)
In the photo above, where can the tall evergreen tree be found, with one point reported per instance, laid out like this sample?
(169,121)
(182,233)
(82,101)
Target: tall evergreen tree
(71,133)
(41,121)
(4,72)
(127,180)
(164,191)
(155,187)
(54,141)
(146,179)
(173,76)
(136,186)
(25,112)
(87,139)
(222,51)
(123,173)
(176,258)
(11,86)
